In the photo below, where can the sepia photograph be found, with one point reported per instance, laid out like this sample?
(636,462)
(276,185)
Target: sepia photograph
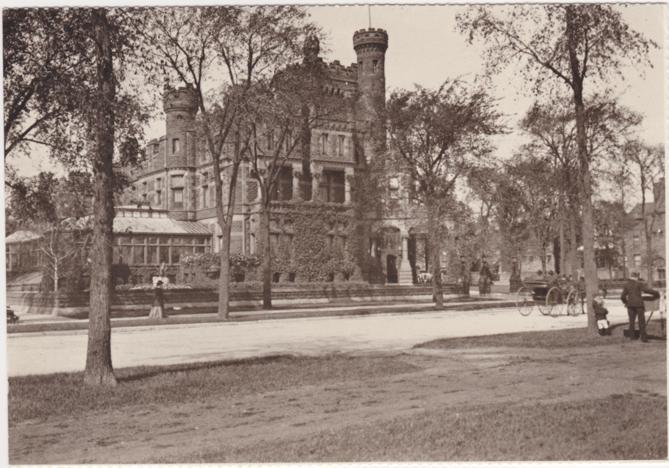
(335,233)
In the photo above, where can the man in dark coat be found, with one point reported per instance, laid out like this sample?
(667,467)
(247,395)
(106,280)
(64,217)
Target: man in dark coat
(465,277)
(632,297)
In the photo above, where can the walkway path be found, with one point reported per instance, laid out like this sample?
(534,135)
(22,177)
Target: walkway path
(64,351)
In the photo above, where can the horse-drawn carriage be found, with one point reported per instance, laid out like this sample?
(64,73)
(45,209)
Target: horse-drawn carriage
(550,298)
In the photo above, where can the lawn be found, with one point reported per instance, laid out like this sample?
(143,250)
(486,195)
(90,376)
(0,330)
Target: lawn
(530,396)
(566,338)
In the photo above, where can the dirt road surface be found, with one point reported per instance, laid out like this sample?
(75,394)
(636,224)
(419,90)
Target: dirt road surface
(277,424)
(45,353)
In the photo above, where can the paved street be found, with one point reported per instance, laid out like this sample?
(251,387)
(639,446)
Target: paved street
(42,353)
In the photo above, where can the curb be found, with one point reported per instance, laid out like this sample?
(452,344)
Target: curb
(251,316)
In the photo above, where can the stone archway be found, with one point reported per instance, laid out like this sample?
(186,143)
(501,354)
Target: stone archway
(392,252)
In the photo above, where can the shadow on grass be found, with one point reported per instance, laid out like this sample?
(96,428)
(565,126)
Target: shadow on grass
(620,328)
(134,374)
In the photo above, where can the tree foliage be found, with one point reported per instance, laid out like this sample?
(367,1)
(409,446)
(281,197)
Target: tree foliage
(222,53)
(566,44)
(439,136)
(534,38)
(648,162)
(49,84)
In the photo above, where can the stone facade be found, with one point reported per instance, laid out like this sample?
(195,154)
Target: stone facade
(177,174)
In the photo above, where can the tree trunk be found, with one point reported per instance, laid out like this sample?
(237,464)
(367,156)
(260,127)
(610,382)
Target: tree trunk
(623,245)
(648,233)
(434,241)
(623,251)
(266,257)
(561,242)
(99,369)
(224,278)
(589,267)
(573,246)
(225,217)
(55,275)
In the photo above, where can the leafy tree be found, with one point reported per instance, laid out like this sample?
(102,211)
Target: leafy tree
(538,193)
(439,136)
(552,128)
(222,52)
(42,60)
(45,204)
(100,124)
(619,174)
(611,224)
(575,45)
(482,183)
(649,164)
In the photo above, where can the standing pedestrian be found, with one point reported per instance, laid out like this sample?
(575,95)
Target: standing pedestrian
(485,278)
(632,297)
(158,307)
(465,277)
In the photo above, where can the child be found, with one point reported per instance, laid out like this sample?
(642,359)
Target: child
(600,316)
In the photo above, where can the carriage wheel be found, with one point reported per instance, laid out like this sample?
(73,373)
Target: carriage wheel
(554,303)
(524,301)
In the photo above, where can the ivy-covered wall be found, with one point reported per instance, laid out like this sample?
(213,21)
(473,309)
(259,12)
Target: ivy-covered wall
(311,242)
(314,242)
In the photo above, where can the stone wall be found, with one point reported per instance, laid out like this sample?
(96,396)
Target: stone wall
(138,302)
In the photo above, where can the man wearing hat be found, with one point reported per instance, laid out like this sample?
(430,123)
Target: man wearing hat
(632,297)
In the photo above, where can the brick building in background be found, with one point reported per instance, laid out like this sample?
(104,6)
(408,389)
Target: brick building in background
(635,237)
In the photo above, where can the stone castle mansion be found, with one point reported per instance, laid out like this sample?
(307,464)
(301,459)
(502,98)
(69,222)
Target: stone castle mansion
(169,210)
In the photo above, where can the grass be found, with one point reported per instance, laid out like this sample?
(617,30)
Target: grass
(263,400)
(566,338)
(47,396)
(621,427)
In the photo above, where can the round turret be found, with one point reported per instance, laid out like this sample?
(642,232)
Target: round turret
(371,38)
(180,107)
(180,99)
(370,48)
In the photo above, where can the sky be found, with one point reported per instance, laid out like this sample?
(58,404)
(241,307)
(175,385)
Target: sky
(425,48)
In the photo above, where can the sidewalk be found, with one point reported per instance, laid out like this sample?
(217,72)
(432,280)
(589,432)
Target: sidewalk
(44,323)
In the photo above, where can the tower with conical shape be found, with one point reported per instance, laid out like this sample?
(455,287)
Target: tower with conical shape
(180,106)
(370,46)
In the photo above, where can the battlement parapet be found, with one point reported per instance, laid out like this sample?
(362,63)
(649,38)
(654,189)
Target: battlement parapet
(184,98)
(338,71)
(374,37)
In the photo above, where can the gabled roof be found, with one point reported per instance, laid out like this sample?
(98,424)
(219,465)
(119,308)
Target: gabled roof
(21,236)
(128,224)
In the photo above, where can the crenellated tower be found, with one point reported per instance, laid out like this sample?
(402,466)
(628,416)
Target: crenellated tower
(180,106)
(370,46)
